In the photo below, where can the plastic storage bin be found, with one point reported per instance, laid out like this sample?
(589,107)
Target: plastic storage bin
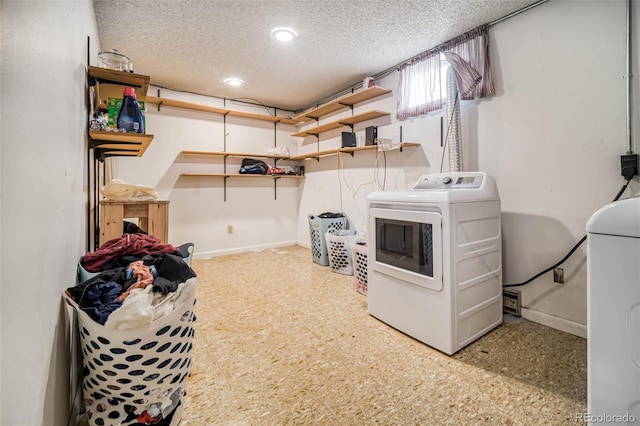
(359,257)
(339,250)
(139,375)
(318,227)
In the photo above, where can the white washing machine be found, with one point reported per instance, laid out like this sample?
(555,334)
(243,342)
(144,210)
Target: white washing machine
(613,313)
(435,259)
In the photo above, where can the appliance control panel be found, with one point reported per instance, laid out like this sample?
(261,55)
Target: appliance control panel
(450,181)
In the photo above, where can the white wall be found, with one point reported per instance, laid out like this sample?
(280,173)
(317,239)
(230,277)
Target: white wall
(562,101)
(43,200)
(261,215)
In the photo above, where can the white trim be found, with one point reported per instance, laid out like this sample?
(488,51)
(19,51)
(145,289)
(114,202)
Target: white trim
(305,244)
(553,321)
(259,247)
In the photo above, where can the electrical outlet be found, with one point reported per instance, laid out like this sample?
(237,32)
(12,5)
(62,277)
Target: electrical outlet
(229,229)
(558,275)
(511,302)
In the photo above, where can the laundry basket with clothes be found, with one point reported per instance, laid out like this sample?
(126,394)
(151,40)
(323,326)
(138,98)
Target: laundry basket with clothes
(136,330)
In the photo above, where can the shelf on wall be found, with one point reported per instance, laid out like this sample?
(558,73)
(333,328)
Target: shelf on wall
(352,150)
(218,110)
(115,143)
(109,76)
(346,121)
(225,175)
(232,154)
(342,102)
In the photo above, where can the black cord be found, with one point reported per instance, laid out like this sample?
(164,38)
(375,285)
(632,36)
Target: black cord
(255,102)
(571,251)
(340,182)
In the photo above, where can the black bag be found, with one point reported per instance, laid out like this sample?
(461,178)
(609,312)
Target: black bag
(252,166)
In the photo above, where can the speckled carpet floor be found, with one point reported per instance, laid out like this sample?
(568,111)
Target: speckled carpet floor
(281,340)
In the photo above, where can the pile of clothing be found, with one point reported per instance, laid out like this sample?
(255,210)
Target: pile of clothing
(139,280)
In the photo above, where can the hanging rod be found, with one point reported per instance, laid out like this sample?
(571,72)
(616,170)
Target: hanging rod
(628,80)
(517,12)
(397,66)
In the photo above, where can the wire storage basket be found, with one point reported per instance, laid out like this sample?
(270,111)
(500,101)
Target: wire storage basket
(339,250)
(318,227)
(136,376)
(359,257)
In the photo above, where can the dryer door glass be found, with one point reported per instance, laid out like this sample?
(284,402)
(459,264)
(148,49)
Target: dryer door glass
(406,245)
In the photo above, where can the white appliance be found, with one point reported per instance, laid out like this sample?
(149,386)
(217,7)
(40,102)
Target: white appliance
(613,313)
(435,259)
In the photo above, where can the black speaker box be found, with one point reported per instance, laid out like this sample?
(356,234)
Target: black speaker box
(348,139)
(371,135)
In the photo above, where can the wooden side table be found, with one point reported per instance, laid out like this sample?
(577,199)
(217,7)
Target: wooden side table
(153,217)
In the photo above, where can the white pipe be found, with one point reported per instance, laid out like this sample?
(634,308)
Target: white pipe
(453,119)
(629,85)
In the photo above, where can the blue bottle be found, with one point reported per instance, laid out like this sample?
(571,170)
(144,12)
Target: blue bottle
(130,116)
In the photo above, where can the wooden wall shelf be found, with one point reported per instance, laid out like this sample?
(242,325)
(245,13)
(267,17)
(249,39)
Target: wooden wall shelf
(342,102)
(119,143)
(318,154)
(232,154)
(218,110)
(105,75)
(226,175)
(343,122)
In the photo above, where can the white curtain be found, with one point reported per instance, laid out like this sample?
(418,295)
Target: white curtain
(467,78)
(473,47)
(419,90)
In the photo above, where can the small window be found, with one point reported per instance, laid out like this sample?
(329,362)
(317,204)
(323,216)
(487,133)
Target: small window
(423,87)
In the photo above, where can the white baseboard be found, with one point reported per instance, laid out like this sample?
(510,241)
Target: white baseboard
(553,321)
(304,244)
(246,249)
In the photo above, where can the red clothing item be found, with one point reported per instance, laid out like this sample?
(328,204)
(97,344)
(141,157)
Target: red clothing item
(134,244)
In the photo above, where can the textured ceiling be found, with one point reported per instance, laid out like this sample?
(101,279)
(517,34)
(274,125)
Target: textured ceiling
(192,45)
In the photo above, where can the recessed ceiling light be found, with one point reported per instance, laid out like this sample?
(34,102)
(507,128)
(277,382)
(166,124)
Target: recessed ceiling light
(284,34)
(233,81)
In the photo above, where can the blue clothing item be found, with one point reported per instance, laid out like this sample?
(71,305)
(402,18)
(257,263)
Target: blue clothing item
(99,300)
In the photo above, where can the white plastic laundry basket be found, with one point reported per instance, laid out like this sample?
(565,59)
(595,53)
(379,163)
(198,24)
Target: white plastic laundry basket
(359,256)
(318,227)
(134,376)
(339,250)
